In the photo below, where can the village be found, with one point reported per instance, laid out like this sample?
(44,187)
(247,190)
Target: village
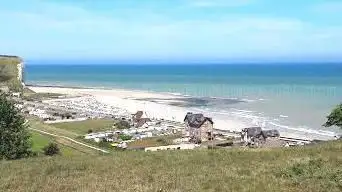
(136,131)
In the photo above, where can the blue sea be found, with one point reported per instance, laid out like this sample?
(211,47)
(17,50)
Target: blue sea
(296,97)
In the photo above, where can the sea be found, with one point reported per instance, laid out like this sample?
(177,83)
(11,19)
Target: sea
(294,97)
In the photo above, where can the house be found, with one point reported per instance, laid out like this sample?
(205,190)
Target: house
(140,119)
(172,147)
(251,134)
(199,127)
(256,136)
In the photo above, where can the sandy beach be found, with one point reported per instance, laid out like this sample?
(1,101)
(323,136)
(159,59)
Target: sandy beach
(160,106)
(135,100)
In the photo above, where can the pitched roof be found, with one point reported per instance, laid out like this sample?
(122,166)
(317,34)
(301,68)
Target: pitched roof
(196,120)
(138,114)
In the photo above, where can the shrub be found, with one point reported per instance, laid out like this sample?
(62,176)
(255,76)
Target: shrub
(14,136)
(125,137)
(51,149)
(335,117)
(90,131)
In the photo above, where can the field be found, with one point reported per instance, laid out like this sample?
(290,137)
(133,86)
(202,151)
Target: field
(309,169)
(152,142)
(39,141)
(82,127)
(68,148)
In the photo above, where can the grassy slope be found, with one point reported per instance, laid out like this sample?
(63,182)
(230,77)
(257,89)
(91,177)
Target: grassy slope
(67,146)
(8,67)
(316,168)
(152,142)
(39,141)
(82,127)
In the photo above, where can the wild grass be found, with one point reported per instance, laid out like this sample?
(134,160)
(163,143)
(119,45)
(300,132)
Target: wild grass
(9,71)
(307,169)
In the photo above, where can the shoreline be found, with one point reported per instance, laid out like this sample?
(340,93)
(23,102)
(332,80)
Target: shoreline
(159,105)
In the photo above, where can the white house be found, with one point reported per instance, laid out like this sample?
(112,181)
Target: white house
(172,147)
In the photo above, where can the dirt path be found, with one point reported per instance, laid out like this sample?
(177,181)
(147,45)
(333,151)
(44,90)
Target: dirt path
(67,138)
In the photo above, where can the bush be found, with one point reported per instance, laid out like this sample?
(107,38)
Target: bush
(51,149)
(14,136)
(90,131)
(122,125)
(335,117)
(125,137)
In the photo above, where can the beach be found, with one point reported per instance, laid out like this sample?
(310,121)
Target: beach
(174,108)
(134,101)
(294,99)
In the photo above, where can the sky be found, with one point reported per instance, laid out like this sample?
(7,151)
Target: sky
(172,30)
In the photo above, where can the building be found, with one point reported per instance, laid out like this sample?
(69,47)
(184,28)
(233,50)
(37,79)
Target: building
(257,136)
(199,127)
(172,147)
(140,119)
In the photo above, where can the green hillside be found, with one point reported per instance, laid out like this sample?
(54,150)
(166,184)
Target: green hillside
(9,72)
(306,169)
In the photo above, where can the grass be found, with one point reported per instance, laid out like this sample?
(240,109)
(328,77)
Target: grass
(9,72)
(306,169)
(152,142)
(82,127)
(68,148)
(34,123)
(39,141)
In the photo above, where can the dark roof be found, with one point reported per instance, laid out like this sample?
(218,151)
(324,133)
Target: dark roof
(196,120)
(253,131)
(138,114)
(142,121)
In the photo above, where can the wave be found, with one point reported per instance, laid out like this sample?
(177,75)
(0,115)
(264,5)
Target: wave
(304,129)
(266,122)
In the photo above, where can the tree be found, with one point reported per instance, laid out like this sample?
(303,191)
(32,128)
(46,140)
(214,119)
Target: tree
(122,124)
(51,149)
(335,117)
(14,135)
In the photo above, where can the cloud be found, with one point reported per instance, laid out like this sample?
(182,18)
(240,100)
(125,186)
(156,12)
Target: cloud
(68,31)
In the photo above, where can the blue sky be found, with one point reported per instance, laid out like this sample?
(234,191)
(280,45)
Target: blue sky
(166,30)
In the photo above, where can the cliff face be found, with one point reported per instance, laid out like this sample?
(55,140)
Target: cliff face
(11,72)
